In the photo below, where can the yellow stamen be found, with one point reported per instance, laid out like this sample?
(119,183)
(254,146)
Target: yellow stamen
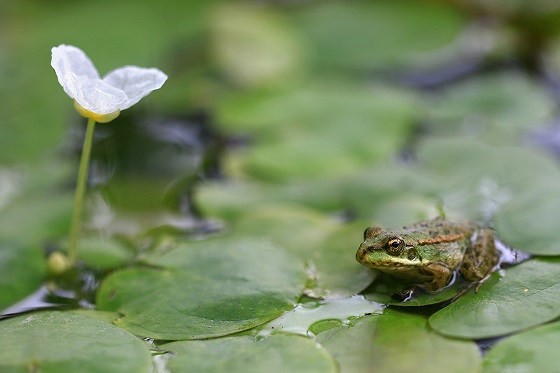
(99,118)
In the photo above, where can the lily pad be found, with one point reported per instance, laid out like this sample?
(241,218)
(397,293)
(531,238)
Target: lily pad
(378,34)
(528,222)
(103,253)
(397,342)
(53,342)
(205,289)
(231,199)
(292,148)
(498,108)
(277,353)
(512,186)
(514,299)
(36,218)
(23,270)
(535,350)
(313,317)
(326,246)
(254,45)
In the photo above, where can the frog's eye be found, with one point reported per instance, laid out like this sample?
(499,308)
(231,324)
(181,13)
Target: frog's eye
(394,246)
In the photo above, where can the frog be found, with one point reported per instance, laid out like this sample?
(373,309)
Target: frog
(428,254)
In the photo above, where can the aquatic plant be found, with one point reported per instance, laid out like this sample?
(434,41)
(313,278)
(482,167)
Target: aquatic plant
(100,100)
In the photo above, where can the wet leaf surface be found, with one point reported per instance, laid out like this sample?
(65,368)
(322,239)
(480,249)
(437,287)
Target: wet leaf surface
(514,299)
(277,353)
(205,289)
(326,246)
(54,342)
(397,342)
(532,351)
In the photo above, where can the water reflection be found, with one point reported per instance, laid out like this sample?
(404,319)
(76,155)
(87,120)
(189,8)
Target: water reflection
(144,170)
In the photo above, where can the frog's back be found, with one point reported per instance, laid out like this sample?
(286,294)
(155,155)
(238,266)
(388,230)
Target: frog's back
(439,240)
(441,228)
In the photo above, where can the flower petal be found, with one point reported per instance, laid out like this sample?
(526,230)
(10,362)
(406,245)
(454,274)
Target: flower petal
(136,82)
(71,63)
(97,96)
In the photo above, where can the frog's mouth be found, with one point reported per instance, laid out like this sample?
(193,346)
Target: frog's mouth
(377,258)
(396,266)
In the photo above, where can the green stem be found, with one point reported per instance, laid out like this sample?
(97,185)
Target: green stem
(80,193)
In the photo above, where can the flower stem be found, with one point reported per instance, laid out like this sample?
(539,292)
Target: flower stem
(80,193)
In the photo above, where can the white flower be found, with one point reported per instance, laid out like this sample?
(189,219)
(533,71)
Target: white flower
(101,99)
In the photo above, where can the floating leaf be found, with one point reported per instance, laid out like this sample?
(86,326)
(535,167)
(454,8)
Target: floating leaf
(499,108)
(36,218)
(23,269)
(205,289)
(255,46)
(376,34)
(397,342)
(103,253)
(514,186)
(525,295)
(293,120)
(535,350)
(106,316)
(528,222)
(327,247)
(230,200)
(311,318)
(277,353)
(53,342)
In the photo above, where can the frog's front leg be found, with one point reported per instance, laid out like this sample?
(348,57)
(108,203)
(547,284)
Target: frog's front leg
(480,257)
(440,276)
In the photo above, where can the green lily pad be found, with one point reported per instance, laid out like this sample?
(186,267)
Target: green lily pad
(205,289)
(498,108)
(512,186)
(535,350)
(232,199)
(303,136)
(277,353)
(528,222)
(314,317)
(326,246)
(66,342)
(106,316)
(378,34)
(397,342)
(471,165)
(254,45)
(337,273)
(36,218)
(103,253)
(23,269)
(514,299)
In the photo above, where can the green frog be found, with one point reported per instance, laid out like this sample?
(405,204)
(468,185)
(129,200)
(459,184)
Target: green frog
(429,253)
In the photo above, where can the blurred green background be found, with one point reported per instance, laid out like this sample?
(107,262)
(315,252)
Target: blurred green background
(326,117)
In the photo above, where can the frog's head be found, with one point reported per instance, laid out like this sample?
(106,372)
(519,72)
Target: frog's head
(387,251)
